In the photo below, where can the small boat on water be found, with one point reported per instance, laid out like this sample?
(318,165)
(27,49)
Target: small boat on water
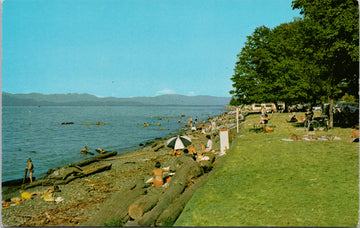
(98,123)
(66,123)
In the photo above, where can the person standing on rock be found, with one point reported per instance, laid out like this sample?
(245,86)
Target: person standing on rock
(30,168)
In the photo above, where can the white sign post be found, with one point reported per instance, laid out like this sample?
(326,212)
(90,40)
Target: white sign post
(237,120)
(224,141)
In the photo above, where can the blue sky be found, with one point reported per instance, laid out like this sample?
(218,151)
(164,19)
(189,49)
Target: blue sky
(129,48)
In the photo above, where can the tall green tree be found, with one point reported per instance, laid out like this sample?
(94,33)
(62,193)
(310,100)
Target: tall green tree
(291,71)
(334,25)
(250,67)
(273,66)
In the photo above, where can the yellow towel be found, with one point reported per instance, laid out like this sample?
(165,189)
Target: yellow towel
(26,195)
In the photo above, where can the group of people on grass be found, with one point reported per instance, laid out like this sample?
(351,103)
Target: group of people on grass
(311,134)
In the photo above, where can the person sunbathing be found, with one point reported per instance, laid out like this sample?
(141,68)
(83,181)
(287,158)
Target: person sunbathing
(186,153)
(158,175)
(295,137)
(311,134)
(101,151)
(176,152)
(192,150)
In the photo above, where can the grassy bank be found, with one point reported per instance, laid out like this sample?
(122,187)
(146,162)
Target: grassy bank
(264,181)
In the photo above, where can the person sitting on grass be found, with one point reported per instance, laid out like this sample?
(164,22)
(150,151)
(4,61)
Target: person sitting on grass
(208,146)
(293,118)
(263,119)
(355,134)
(158,175)
(263,111)
(301,121)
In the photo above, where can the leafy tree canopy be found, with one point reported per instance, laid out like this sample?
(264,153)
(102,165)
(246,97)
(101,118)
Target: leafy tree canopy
(304,60)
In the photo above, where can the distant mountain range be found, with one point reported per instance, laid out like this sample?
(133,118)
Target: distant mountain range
(75,99)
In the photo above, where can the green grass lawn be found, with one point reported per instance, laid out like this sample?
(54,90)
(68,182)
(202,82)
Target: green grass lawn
(264,181)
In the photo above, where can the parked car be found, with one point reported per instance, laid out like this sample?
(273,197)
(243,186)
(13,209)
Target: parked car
(339,107)
(270,107)
(280,107)
(255,108)
(317,109)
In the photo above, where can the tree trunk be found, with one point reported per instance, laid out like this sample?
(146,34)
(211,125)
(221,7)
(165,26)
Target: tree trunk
(169,216)
(145,203)
(331,113)
(187,169)
(117,206)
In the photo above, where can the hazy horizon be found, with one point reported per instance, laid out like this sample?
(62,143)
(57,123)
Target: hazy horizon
(74,93)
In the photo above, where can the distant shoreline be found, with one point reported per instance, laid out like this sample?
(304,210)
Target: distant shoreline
(59,105)
(37,99)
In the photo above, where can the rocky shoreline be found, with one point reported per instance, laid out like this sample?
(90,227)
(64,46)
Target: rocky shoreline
(80,200)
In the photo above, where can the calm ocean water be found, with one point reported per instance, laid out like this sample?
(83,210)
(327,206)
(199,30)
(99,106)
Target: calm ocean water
(36,132)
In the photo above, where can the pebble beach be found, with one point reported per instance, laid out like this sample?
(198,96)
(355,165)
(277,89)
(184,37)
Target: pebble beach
(80,200)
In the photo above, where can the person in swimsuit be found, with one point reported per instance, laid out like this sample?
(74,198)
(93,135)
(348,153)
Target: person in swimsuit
(187,154)
(158,175)
(84,151)
(192,150)
(30,168)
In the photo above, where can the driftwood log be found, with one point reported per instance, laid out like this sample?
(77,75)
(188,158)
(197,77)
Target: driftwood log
(85,162)
(84,173)
(145,203)
(187,169)
(68,175)
(117,206)
(169,216)
(157,146)
(207,165)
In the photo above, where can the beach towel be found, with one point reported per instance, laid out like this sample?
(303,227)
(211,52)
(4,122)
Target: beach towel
(205,158)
